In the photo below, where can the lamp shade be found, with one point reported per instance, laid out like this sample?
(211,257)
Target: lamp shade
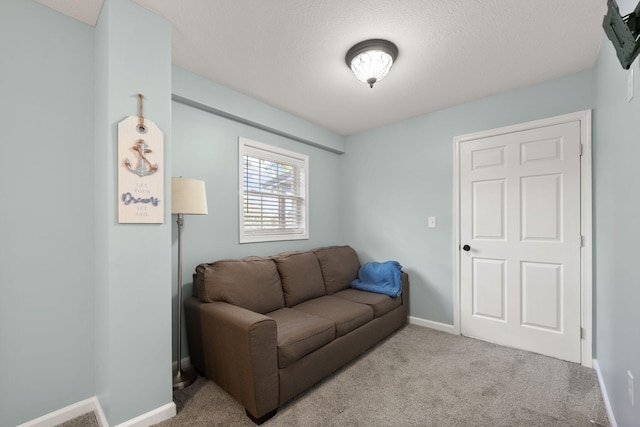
(188,196)
(371,60)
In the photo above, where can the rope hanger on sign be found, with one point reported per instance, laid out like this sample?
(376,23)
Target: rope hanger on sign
(141,128)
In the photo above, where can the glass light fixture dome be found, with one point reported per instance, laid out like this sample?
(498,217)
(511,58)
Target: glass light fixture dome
(371,60)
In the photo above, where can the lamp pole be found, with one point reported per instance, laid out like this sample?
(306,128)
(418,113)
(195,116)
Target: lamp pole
(188,197)
(181,378)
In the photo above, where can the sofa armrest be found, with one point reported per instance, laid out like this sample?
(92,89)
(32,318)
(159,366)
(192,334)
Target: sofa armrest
(405,292)
(240,354)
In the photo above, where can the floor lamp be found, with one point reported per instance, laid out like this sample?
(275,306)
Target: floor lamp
(188,197)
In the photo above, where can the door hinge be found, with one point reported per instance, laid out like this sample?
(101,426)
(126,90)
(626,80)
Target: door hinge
(583,333)
(580,150)
(581,241)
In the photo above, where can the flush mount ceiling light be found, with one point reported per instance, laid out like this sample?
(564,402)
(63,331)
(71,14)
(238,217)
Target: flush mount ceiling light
(371,60)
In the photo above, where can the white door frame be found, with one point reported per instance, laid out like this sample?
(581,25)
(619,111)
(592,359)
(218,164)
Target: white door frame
(586,290)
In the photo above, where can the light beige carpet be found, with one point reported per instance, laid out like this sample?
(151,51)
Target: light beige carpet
(87,420)
(422,377)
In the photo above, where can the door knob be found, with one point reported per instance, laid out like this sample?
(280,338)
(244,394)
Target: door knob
(466,248)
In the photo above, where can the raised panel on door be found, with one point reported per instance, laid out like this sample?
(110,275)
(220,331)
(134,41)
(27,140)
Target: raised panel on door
(541,150)
(488,209)
(541,207)
(487,157)
(542,295)
(489,298)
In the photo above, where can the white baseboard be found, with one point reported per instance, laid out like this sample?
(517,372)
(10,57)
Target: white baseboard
(99,413)
(431,324)
(93,405)
(605,396)
(152,417)
(68,413)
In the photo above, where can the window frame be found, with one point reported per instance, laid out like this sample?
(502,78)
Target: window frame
(297,160)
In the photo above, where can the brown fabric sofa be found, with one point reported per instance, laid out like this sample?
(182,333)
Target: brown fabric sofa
(267,328)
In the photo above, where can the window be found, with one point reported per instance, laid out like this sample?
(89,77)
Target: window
(274,202)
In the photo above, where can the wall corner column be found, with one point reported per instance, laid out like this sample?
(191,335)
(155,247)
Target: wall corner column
(133,261)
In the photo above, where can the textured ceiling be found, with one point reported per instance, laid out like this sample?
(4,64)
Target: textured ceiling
(290,53)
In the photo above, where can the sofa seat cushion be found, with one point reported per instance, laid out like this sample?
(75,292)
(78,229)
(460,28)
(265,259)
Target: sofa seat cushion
(380,303)
(299,334)
(301,277)
(346,315)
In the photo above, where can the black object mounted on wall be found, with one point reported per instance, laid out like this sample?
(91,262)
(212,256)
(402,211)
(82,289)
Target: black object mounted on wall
(624,32)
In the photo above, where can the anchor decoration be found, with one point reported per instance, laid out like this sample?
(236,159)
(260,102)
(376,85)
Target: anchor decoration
(140,193)
(144,168)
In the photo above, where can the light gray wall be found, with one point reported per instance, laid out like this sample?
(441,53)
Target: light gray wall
(617,232)
(46,220)
(206,148)
(398,175)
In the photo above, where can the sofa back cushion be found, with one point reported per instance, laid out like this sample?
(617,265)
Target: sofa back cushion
(339,265)
(301,277)
(252,283)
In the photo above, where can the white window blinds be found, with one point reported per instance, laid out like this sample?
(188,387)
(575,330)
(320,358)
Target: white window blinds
(273,193)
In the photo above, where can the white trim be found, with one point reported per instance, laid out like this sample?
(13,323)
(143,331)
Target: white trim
(586,291)
(155,416)
(68,413)
(92,404)
(99,413)
(433,325)
(265,151)
(586,252)
(456,236)
(605,396)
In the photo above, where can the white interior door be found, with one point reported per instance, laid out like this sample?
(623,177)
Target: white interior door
(520,239)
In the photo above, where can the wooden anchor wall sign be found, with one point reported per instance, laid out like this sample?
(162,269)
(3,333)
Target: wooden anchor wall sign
(140,171)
